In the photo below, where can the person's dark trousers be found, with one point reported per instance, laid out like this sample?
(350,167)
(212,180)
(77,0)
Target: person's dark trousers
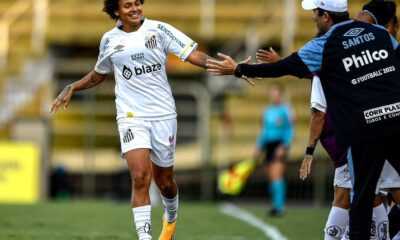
(394,221)
(366,160)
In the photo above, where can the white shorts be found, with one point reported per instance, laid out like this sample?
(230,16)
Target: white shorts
(342,177)
(159,136)
(389,177)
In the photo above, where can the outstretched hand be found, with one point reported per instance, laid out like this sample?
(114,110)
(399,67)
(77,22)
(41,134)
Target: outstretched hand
(305,169)
(267,56)
(225,66)
(62,99)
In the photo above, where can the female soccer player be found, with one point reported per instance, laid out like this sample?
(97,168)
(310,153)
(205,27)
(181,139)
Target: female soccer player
(136,51)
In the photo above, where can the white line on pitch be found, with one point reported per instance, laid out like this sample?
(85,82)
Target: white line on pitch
(236,212)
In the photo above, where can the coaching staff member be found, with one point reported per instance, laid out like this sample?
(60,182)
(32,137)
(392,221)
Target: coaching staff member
(360,75)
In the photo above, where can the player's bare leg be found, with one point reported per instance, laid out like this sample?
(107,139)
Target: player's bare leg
(139,165)
(164,178)
(396,195)
(338,219)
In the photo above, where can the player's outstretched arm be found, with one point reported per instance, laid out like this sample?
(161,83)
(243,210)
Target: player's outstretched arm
(316,126)
(292,65)
(88,81)
(198,58)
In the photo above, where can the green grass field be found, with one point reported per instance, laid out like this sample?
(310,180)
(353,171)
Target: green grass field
(112,221)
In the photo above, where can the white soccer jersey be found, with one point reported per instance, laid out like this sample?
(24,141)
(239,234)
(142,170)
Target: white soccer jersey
(318,100)
(138,60)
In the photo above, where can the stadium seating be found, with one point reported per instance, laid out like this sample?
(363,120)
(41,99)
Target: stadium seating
(76,22)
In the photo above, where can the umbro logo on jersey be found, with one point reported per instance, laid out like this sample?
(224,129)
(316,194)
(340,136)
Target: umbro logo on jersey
(127,73)
(354,32)
(118,47)
(151,43)
(128,136)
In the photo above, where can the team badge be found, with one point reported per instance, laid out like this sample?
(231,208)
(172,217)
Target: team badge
(127,73)
(334,231)
(128,136)
(151,41)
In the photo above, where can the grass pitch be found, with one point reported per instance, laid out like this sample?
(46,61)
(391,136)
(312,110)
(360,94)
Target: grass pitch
(112,221)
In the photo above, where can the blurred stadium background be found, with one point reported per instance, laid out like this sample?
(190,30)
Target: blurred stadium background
(46,44)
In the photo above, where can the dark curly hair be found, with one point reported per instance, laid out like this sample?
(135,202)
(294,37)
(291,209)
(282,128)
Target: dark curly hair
(383,11)
(110,6)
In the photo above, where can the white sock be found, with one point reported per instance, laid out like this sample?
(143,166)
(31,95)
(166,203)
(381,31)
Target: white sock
(346,235)
(380,223)
(171,207)
(379,226)
(142,218)
(397,237)
(336,224)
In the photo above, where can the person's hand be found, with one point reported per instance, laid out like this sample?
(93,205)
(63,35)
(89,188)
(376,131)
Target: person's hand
(267,56)
(62,99)
(225,66)
(305,169)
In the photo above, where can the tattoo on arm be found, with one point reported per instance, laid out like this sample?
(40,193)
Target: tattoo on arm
(198,58)
(91,79)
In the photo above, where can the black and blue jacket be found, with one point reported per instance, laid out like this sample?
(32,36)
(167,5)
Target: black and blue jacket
(360,74)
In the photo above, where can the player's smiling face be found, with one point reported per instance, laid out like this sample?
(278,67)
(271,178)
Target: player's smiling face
(130,12)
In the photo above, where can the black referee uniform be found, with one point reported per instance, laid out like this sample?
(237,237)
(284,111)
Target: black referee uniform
(360,75)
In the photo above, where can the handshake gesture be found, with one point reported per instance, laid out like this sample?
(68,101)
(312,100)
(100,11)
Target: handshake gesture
(225,65)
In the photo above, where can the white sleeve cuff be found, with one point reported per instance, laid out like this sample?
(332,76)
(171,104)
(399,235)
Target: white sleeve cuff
(188,50)
(319,107)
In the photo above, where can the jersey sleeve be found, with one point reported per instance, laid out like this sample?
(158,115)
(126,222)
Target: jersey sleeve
(311,53)
(177,42)
(318,100)
(104,64)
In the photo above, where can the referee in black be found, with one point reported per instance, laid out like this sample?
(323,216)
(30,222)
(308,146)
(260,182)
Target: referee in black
(359,68)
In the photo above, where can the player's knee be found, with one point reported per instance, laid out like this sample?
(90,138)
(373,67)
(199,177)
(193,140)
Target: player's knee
(377,201)
(166,184)
(396,196)
(141,180)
